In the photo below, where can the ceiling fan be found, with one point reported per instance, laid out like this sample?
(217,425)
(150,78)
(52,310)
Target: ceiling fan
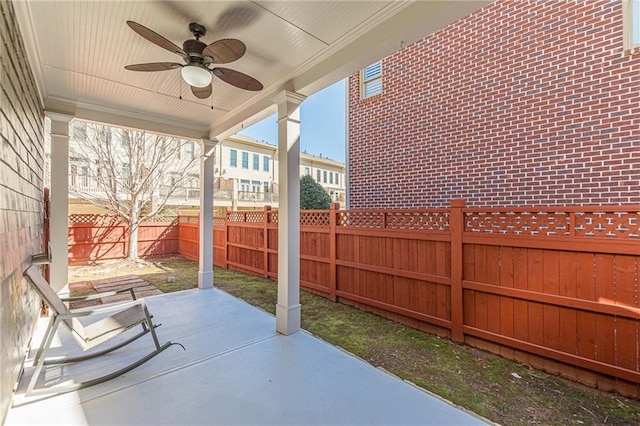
(200,60)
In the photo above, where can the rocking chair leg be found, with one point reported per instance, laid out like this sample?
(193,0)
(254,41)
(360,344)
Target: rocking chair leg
(48,333)
(40,356)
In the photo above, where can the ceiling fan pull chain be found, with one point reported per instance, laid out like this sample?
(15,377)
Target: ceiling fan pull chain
(180,88)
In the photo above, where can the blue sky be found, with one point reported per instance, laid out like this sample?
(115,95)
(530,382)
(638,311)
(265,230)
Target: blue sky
(323,124)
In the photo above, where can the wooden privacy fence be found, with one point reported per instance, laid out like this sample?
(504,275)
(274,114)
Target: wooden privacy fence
(560,283)
(103,236)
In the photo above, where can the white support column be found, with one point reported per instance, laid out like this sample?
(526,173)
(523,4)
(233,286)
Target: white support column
(205,256)
(288,307)
(59,199)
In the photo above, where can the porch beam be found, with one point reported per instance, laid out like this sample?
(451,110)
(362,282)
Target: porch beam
(205,255)
(288,306)
(59,199)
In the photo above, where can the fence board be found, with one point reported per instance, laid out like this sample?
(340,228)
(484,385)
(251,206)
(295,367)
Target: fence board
(605,325)
(493,277)
(506,280)
(482,299)
(567,288)
(551,313)
(536,310)
(469,296)
(520,307)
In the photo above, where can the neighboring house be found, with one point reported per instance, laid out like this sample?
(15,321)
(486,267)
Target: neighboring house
(245,175)
(328,173)
(521,103)
(180,177)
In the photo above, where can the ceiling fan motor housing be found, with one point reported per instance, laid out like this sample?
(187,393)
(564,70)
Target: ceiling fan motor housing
(194,48)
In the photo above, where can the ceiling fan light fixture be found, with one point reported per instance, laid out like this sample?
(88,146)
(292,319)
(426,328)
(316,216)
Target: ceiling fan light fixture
(196,75)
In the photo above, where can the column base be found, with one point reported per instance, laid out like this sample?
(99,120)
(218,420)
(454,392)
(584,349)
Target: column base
(288,319)
(205,279)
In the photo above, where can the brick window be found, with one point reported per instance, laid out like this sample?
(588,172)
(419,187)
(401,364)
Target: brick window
(631,15)
(371,80)
(234,158)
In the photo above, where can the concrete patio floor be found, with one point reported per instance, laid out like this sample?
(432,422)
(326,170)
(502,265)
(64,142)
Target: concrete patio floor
(236,370)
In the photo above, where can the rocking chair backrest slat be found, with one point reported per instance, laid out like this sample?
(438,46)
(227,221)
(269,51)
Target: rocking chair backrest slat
(45,291)
(52,299)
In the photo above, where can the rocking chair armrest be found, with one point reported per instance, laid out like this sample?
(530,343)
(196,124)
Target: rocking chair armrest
(85,312)
(100,295)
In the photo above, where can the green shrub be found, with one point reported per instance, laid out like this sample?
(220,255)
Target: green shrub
(312,195)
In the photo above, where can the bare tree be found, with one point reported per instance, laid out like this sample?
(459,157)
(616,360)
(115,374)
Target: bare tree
(126,172)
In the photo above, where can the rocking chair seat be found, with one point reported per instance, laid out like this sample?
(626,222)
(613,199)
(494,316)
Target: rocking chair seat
(106,328)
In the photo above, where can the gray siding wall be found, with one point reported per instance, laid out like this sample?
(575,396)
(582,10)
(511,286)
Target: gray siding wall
(21,200)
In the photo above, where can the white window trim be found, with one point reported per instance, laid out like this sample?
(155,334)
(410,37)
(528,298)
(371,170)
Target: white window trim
(242,157)
(364,82)
(628,24)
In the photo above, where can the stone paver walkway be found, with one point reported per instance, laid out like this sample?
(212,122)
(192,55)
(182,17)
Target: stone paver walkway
(141,288)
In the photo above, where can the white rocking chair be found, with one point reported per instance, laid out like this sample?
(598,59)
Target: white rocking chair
(123,317)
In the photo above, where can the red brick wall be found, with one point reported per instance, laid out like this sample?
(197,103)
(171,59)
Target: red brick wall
(521,103)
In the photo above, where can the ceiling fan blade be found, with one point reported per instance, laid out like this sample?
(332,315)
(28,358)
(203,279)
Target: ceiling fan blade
(238,79)
(155,38)
(154,66)
(225,50)
(201,92)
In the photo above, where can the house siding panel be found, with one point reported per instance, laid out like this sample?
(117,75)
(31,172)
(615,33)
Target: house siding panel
(21,201)
(521,103)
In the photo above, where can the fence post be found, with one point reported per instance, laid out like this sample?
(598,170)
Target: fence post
(265,240)
(456,227)
(333,285)
(226,237)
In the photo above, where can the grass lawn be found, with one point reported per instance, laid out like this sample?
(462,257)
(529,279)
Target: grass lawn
(498,389)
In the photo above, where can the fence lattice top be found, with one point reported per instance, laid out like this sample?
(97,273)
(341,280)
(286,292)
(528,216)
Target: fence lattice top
(246,216)
(574,223)
(112,219)
(94,219)
(310,218)
(193,219)
(604,222)
(432,220)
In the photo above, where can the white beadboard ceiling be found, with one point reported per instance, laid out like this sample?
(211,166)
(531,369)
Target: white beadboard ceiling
(78,50)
